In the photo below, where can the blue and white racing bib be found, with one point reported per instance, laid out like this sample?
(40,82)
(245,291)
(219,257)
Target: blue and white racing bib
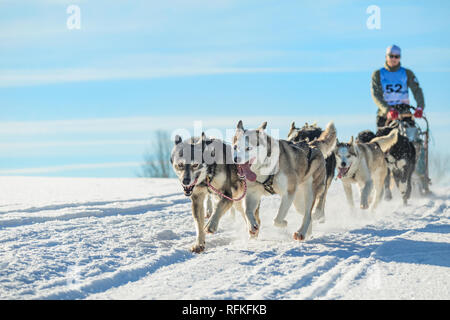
(395,86)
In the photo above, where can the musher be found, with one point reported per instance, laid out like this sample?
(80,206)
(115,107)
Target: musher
(390,92)
(390,88)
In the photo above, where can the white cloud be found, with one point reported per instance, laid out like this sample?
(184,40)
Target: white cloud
(14,78)
(187,64)
(149,124)
(27,133)
(11,146)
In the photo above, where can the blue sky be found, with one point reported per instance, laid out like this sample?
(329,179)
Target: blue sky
(86,102)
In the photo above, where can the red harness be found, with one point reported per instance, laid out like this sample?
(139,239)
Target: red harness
(241,177)
(227,197)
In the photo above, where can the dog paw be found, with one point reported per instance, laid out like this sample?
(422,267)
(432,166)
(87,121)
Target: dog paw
(210,228)
(198,248)
(253,231)
(364,206)
(280,224)
(298,236)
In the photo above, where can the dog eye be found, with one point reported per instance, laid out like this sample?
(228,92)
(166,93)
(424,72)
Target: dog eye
(180,165)
(194,165)
(248,149)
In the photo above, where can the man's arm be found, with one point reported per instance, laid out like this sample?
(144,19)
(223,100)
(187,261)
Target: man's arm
(413,84)
(377,94)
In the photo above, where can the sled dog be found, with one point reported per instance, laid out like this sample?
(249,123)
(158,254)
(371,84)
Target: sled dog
(364,164)
(205,166)
(295,171)
(309,134)
(400,158)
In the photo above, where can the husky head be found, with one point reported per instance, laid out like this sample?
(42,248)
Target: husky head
(346,155)
(307,133)
(254,151)
(188,161)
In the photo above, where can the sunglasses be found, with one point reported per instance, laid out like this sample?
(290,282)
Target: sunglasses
(394,56)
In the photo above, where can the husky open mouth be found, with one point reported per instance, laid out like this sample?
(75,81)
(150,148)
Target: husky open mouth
(343,171)
(188,189)
(245,171)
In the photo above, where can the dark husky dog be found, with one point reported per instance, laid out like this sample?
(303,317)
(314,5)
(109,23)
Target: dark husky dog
(309,133)
(202,164)
(400,158)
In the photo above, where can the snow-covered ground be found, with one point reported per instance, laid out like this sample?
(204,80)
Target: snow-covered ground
(72,238)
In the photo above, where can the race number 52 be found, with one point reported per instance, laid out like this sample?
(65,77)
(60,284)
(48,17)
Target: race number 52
(393,88)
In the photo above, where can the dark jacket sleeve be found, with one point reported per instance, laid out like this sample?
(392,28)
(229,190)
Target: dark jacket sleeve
(377,94)
(413,84)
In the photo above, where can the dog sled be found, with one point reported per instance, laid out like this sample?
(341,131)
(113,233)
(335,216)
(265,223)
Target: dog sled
(419,135)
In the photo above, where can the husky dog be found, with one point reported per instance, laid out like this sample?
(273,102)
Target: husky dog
(309,134)
(401,159)
(200,163)
(294,171)
(364,164)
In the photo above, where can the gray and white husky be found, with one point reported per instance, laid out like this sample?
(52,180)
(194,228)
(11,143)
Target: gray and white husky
(200,163)
(365,165)
(400,159)
(295,171)
(309,134)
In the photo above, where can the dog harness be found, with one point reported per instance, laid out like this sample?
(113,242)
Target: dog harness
(209,178)
(208,182)
(268,184)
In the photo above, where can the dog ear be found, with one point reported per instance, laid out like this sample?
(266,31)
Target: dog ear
(203,136)
(177,139)
(240,126)
(354,146)
(293,125)
(262,126)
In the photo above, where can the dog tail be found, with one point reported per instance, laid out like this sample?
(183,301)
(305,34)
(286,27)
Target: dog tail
(386,142)
(327,140)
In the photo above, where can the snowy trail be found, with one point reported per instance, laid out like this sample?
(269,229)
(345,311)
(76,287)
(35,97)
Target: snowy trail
(63,238)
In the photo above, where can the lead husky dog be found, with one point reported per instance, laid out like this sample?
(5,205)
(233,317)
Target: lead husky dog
(364,164)
(199,164)
(294,171)
(309,133)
